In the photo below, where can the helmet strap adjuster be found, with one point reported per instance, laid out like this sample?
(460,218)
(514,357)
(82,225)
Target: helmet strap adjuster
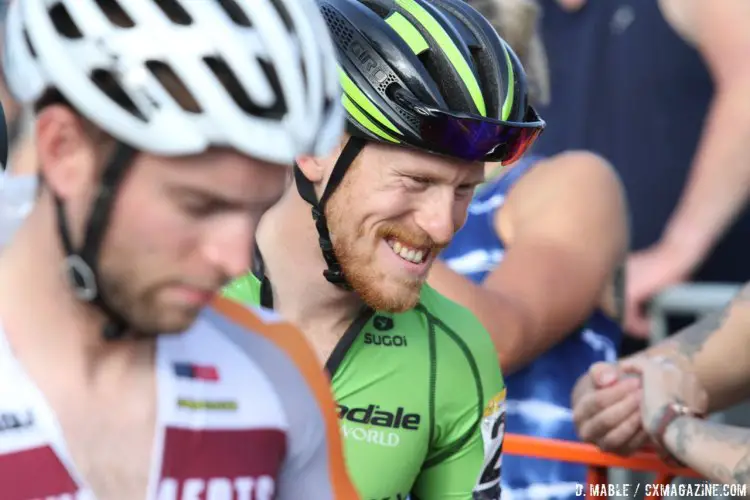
(81,278)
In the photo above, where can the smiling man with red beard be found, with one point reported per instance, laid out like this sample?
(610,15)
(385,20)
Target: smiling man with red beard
(432,92)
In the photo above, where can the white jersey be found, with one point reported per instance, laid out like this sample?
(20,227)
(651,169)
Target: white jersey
(245,413)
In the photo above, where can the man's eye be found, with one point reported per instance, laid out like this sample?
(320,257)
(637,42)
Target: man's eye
(199,208)
(464,191)
(418,182)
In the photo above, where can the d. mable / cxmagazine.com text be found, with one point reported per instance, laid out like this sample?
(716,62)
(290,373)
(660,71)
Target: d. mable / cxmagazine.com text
(628,490)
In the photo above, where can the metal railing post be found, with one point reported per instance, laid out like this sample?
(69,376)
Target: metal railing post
(690,298)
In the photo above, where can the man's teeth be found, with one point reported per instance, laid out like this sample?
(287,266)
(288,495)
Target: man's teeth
(406,253)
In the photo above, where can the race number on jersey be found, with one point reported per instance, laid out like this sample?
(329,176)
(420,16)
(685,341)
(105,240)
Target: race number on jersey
(493,431)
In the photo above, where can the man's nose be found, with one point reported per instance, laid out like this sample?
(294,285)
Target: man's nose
(437,218)
(230,249)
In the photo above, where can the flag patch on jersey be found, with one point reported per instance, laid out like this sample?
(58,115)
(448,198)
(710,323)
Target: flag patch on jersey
(197,372)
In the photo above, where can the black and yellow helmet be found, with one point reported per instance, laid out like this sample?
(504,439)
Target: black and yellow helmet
(427,74)
(431,74)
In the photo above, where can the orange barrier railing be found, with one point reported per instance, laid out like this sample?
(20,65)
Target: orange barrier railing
(598,462)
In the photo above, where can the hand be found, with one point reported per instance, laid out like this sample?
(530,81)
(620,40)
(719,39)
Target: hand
(606,409)
(665,383)
(649,272)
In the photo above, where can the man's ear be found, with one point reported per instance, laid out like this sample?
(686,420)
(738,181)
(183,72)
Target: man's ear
(315,168)
(66,159)
(312,168)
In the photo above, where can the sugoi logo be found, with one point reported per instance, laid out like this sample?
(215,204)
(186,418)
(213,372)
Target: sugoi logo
(10,421)
(382,323)
(385,340)
(373,415)
(240,488)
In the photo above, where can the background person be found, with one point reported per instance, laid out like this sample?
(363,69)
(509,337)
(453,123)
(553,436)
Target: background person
(659,89)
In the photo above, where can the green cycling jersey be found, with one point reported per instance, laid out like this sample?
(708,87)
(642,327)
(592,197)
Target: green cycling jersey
(421,400)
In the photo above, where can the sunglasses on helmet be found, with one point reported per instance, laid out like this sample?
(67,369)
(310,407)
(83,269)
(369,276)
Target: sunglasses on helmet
(471,137)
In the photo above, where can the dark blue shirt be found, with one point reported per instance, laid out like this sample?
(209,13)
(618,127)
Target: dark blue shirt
(626,86)
(538,395)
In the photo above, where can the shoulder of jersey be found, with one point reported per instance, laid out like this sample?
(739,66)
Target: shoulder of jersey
(458,318)
(251,318)
(255,321)
(461,328)
(268,316)
(441,306)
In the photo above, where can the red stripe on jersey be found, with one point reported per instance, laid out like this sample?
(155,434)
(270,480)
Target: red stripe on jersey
(236,464)
(34,473)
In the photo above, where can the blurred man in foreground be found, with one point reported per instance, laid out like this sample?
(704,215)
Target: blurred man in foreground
(162,137)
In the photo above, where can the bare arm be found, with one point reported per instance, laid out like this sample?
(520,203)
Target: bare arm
(719,452)
(565,232)
(719,180)
(717,350)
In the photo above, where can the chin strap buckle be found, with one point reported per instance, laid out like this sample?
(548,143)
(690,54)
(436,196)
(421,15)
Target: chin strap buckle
(336,277)
(317,214)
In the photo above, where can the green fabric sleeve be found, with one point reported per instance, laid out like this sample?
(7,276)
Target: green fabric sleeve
(245,290)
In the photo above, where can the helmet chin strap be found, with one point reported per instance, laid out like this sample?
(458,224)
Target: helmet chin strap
(81,264)
(334,274)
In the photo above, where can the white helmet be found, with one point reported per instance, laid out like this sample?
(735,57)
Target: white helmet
(277,52)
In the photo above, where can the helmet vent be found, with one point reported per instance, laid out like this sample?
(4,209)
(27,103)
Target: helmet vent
(234,88)
(284,14)
(174,86)
(342,33)
(108,85)
(63,22)
(385,84)
(235,13)
(410,118)
(29,45)
(115,13)
(390,92)
(175,12)
(303,70)
(378,8)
